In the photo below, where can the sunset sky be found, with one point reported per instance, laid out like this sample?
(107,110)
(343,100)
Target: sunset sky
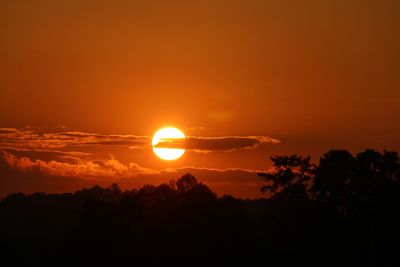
(84,85)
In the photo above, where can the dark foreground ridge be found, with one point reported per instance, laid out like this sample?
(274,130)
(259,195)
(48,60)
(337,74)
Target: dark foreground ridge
(342,212)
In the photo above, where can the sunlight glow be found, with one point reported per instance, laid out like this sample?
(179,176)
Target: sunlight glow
(168,153)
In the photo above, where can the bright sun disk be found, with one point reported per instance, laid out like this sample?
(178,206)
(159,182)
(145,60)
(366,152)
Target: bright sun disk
(168,153)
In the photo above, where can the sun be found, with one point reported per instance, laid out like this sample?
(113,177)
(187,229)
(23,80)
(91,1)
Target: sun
(168,153)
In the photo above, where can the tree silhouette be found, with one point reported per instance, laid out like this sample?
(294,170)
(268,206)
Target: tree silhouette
(289,176)
(333,179)
(341,211)
(186,183)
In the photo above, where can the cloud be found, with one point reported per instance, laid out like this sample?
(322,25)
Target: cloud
(14,180)
(114,169)
(29,139)
(4,131)
(61,160)
(89,169)
(32,139)
(218,144)
(21,173)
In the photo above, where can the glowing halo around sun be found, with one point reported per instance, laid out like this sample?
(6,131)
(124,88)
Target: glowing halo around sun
(168,153)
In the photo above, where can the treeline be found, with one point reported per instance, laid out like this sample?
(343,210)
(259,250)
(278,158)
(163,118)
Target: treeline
(342,211)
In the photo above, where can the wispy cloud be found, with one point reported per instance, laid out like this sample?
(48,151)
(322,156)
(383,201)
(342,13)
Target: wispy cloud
(28,138)
(218,144)
(32,139)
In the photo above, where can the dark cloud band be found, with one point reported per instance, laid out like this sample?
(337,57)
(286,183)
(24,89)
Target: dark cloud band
(36,140)
(217,144)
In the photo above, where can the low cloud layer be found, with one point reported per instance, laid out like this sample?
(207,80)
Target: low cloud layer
(109,169)
(87,169)
(23,174)
(56,161)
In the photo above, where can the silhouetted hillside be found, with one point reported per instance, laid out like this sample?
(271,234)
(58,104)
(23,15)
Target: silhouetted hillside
(343,211)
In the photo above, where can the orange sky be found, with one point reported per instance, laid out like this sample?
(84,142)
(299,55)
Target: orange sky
(315,75)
